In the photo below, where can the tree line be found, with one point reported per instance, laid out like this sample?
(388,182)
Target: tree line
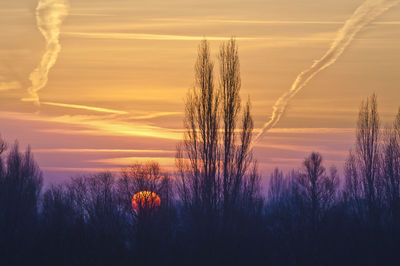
(213,210)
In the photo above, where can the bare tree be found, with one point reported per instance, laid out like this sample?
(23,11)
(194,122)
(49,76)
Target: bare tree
(317,187)
(58,209)
(230,86)
(277,187)
(215,163)
(352,192)
(200,180)
(367,151)
(396,126)
(20,186)
(391,169)
(3,148)
(236,156)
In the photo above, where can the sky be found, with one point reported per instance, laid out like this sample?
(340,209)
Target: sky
(116,93)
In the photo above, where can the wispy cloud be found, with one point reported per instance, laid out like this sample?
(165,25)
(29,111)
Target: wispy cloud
(80,169)
(85,107)
(246,21)
(77,150)
(155,115)
(310,130)
(49,15)
(125,161)
(11,85)
(262,22)
(141,116)
(145,36)
(270,40)
(87,14)
(115,127)
(297,148)
(99,125)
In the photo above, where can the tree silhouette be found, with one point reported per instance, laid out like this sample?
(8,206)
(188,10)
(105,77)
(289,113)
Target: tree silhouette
(316,187)
(367,150)
(20,186)
(391,170)
(219,183)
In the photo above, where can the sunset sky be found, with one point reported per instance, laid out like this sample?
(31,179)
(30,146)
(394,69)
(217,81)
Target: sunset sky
(115,94)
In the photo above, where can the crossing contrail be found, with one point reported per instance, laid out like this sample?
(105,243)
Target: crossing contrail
(364,15)
(49,16)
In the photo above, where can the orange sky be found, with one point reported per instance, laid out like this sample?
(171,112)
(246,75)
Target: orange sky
(115,94)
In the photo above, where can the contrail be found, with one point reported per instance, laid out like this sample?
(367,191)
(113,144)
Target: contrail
(364,15)
(49,15)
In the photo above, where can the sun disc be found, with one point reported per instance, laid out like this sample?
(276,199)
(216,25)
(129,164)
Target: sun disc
(145,200)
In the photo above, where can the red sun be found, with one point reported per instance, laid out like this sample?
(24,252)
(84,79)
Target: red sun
(145,200)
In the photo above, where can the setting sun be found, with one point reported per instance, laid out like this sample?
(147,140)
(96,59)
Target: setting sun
(145,200)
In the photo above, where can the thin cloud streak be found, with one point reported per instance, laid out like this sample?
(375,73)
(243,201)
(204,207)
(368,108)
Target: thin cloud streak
(10,85)
(302,148)
(156,115)
(126,161)
(118,128)
(99,125)
(293,22)
(270,22)
(63,150)
(309,130)
(245,21)
(85,107)
(111,111)
(272,40)
(80,169)
(144,36)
